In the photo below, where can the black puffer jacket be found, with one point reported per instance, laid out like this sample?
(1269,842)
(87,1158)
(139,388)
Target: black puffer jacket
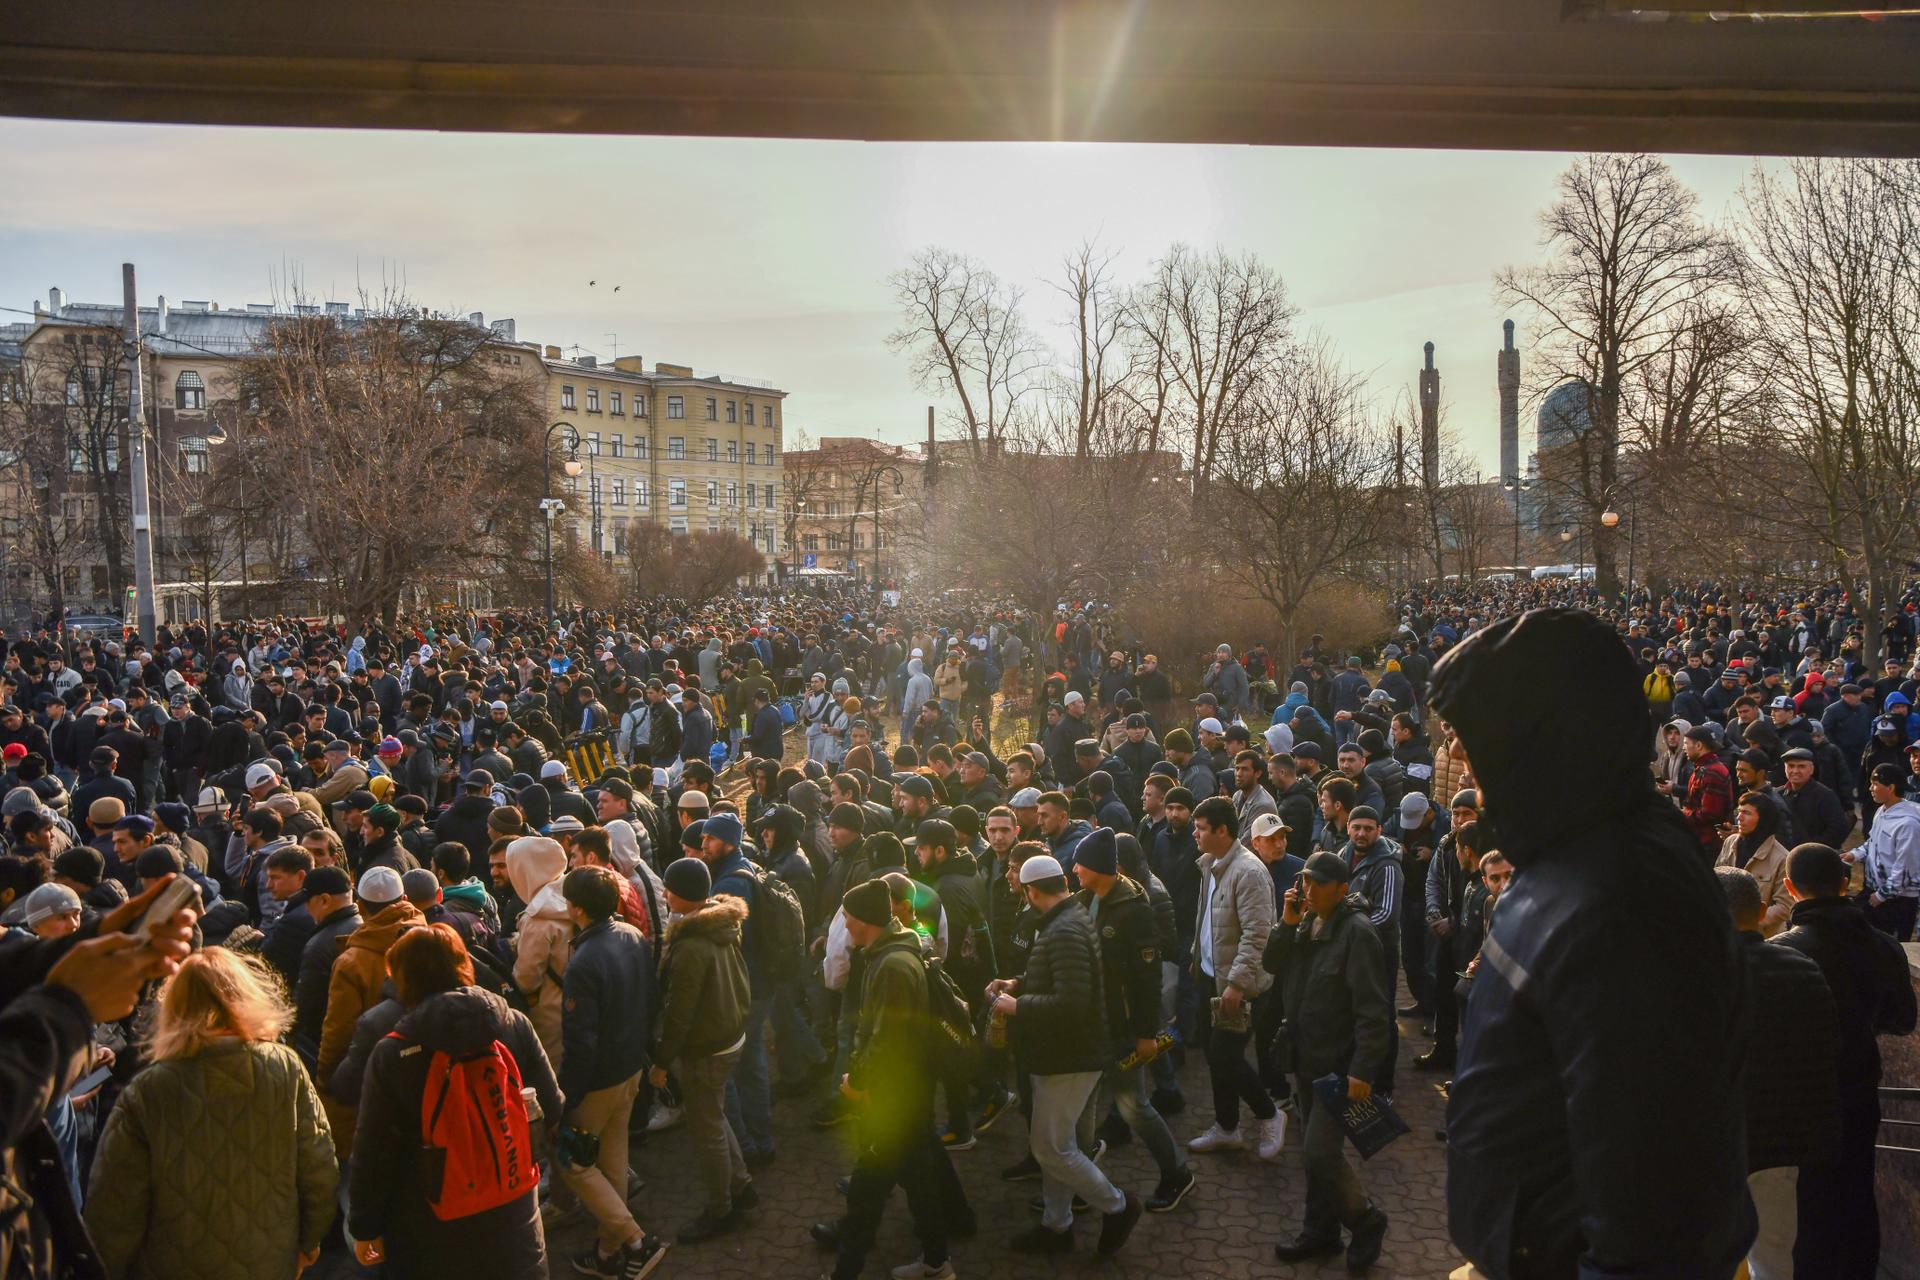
(1610,966)
(1061,1024)
(1867,973)
(1793,1099)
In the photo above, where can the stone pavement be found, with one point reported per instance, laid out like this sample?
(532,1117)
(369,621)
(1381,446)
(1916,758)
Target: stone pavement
(1226,1228)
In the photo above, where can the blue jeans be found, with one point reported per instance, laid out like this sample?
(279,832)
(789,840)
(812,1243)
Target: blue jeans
(800,1049)
(749,1092)
(1059,1135)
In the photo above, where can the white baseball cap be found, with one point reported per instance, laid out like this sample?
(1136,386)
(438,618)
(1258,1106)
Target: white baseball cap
(553,769)
(1041,866)
(1210,725)
(1267,824)
(259,775)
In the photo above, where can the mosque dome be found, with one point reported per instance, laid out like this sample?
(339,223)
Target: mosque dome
(1565,415)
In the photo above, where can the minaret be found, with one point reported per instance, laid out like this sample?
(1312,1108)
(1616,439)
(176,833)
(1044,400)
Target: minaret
(1507,366)
(1430,424)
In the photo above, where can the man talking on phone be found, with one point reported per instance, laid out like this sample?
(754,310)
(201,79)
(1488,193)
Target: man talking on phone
(1336,993)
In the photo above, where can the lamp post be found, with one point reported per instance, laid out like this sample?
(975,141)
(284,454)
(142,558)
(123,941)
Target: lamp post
(1516,485)
(899,483)
(1611,519)
(550,505)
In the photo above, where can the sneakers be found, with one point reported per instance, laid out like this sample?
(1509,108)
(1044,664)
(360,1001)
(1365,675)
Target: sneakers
(1026,1170)
(1116,1227)
(1114,1132)
(919,1269)
(1172,1190)
(1217,1139)
(665,1117)
(1042,1239)
(992,1110)
(1363,1250)
(952,1140)
(1099,1150)
(1272,1136)
(633,1262)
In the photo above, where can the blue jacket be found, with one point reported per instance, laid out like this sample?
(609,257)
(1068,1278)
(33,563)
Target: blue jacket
(734,874)
(1350,689)
(605,1027)
(1067,841)
(766,737)
(696,734)
(1848,728)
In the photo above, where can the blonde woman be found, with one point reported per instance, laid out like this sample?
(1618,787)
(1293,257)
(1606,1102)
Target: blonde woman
(217,1163)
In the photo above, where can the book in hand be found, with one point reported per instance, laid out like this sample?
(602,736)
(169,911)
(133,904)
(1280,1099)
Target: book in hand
(1371,1123)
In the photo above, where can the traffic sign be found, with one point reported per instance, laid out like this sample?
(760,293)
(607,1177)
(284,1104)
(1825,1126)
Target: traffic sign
(809,561)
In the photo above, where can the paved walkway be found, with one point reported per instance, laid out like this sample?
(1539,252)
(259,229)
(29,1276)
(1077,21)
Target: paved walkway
(1226,1228)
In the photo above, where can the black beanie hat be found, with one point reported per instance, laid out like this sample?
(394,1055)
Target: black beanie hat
(689,878)
(848,815)
(1098,852)
(869,902)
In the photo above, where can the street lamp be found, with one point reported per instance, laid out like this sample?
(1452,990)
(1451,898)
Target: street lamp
(550,505)
(1516,485)
(899,483)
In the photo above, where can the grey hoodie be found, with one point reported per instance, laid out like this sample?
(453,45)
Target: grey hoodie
(919,687)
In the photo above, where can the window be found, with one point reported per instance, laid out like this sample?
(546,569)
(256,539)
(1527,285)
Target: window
(769,497)
(733,411)
(733,494)
(677,495)
(676,448)
(713,409)
(749,413)
(713,450)
(593,442)
(676,407)
(616,443)
(856,542)
(642,495)
(639,405)
(733,451)
(677,525)
(619,492)
(190,392)
(750,458)
(593,399)
(594,497)
(768,419)
(619,534)
(641,446)
(566,397)
(713,493)
(773,455)
(193,455)
(753,496)
(833,542)
(811,542)
(753,533)
(613,404)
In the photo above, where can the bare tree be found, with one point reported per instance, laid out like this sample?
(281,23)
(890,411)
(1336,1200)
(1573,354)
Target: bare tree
(1099,360)
(1305,479)
(1627,261)
(408,444)
(1215,323)
(963,329)
(1834,292)
(801,483)
(49,533)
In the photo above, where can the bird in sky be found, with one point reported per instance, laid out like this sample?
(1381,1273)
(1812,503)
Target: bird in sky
(592,283)
(616,288)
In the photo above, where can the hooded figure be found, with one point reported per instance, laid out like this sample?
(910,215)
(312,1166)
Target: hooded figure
(357,655)
(1610,964)
(919,688)
(535,865)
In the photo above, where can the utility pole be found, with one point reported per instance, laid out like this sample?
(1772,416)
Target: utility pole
(137,462)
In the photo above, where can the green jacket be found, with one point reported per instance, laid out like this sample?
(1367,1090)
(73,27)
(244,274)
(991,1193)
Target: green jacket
(890,1042)
(703,982)
(741,699)
(214,1167)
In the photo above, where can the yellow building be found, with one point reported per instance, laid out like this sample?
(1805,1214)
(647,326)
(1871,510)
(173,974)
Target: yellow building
(668,446)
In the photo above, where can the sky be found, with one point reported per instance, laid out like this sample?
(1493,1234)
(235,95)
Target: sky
(769,259)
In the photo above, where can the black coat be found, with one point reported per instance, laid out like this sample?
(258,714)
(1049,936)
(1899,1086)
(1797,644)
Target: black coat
(386,1182)
(1793,1098)
(1596,1120)
(1061,1025)
(1818,815)
(1130,958)
(465,822)
(609,995)
(1867,972)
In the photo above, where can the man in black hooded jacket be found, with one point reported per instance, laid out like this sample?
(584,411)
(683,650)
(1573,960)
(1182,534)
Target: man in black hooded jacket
(1596,1124)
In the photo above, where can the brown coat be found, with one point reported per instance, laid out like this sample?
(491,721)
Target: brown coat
(359,973)
(1768,865)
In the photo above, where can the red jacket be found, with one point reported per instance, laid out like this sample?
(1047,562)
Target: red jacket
(1709,801)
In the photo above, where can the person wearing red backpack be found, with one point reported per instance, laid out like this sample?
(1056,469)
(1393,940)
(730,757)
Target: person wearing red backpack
(606,1029)
(445,1182)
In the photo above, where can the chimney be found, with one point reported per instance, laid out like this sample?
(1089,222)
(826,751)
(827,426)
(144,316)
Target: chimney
(56,300)
(553,353)
(503,329)
(588,362)
(337,308)
(630,364)
(478,319)
(160,315)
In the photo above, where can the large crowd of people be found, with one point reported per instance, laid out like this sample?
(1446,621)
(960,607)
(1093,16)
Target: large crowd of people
(476,899)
